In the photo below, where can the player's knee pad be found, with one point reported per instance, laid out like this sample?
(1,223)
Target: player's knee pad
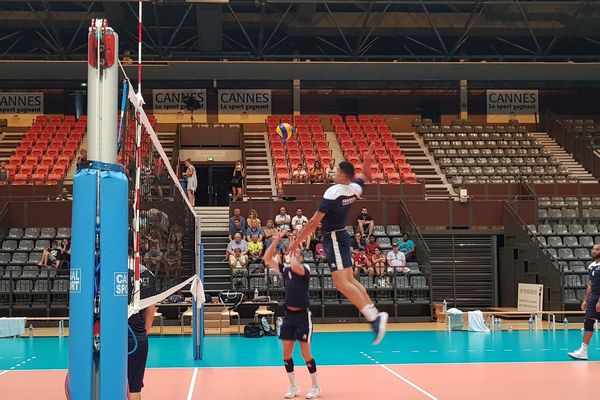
(588,324)
(289,365)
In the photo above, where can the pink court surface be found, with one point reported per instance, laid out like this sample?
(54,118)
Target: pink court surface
(407,365)
(424,381)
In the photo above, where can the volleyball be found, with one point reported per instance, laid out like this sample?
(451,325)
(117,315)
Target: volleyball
(284,131)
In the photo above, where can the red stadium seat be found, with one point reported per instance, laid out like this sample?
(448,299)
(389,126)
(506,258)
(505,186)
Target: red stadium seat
(63,161)
(60,170)
(32,160)
(68,153)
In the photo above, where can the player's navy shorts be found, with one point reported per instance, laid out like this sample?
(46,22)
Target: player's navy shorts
(337,249)
(297,325)
(136,365)
(591,308)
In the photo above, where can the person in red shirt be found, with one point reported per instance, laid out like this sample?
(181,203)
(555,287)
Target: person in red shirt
(371,246)
(362,264)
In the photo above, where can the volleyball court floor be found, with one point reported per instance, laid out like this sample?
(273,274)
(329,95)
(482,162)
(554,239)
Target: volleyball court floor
(407,365)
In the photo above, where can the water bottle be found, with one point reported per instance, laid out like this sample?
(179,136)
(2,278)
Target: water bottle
(530,323)
(30,330)
(255,294)
(444,306)
(278,324)
(565,324)
(499,324)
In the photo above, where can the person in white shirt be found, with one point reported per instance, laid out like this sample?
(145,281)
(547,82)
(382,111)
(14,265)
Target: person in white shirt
(300,174)
(396,260)
(299,220)
(330,171)
(282,220)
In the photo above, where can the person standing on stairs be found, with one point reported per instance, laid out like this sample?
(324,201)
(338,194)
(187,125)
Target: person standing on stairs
(237,181)
(192,181)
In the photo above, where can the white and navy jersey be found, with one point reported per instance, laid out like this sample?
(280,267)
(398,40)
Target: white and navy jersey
(336,204)
(594,271)
(295,286)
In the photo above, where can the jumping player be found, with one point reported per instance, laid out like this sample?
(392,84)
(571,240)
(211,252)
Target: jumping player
(590,305)
(297,323)
(333,213)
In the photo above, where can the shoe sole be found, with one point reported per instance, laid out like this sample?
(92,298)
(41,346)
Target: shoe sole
(382,327)
(577,358)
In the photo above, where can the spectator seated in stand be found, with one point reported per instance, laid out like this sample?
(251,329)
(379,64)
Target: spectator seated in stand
(255,230)
(268,231)
(396,261)
(50,255)
(407,246)
(236,228)
(317,174)
(3,172)
(64,195)
(153,259)
(235,243)
(299,175)
(330,171)
(236,217)
(253,216)
(365,222)
(172,260)
(379,262)
(362,265)
(255,250)
(320,256)
(357,243)
(298,223)
(238,262)
(371,246)
(283,221)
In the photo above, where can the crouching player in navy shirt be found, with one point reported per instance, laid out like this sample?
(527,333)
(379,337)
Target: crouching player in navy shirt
(140,324)
(297,323)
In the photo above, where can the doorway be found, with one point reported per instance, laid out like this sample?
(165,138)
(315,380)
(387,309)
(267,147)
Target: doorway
(431,109)
(214,184)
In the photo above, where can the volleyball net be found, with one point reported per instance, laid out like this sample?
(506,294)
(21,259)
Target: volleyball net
(164,230)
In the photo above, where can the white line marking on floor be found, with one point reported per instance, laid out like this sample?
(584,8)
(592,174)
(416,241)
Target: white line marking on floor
(414,351)
(397,375)
(471,350)
(192,384)
(3,372)
(544,349)
(377,352)
(395,351)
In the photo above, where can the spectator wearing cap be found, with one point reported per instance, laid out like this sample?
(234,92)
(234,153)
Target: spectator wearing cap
(407,246)
(396,260)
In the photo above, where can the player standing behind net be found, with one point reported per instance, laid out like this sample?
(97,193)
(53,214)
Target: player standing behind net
(333,214)
(297,323)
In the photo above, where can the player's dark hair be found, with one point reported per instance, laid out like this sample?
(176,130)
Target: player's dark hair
(347,168)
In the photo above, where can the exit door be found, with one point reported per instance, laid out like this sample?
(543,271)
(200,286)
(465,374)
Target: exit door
(214,184)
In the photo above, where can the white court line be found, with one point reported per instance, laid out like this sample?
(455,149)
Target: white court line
(397,375)
(3,372)
(192,384)
(14,367)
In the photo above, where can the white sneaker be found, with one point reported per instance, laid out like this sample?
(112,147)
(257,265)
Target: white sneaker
(313,393)
(379,326)
(579,354)
(292,392)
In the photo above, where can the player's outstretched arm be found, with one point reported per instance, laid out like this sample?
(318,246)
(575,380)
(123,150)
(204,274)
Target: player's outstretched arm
(308,230)
(366,166)
(268,257)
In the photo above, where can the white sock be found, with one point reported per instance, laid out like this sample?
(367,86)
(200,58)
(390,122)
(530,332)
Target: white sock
(313,378)
(292,378)
(369,312)
(584,347)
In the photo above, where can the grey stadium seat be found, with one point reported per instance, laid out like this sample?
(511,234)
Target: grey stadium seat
(418,281)
(582,253)
(590,229)
(577,266)
(572,281)
(575,229)
(554,241)
(42,244)
(552,253)
(532,228)
(30,271)
(12,270)
(4,258)
(570,241)
(25,245)
(545,229)
(35,258)
(48,233)
(9,245)
(63,233)
(586,241)
(542,240)
(566,254)
(47,272)
(308,256)
(31,233)
(393,230)
(15,233)
(560,229)
(384,243)
(379,230)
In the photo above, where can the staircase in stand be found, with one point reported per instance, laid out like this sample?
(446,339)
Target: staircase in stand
(259,180)
(423,166)
(214,231)
(462,269)
(11,138)
(566,159)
